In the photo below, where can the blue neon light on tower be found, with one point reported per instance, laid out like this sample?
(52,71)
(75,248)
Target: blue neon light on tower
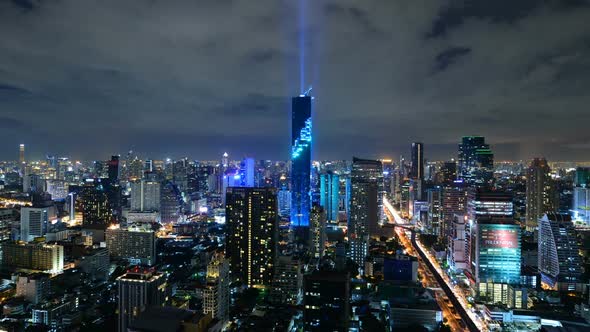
(301,159)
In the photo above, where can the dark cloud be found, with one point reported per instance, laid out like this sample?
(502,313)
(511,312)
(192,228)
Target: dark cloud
(8,90)
(92,78)
(456,12)
(449,56)
(11,125)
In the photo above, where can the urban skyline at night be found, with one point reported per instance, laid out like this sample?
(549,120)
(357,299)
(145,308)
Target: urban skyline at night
(294,166)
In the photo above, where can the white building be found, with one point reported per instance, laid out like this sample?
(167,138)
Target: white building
(145,195)
(34,287)
(33,223)
(457,251)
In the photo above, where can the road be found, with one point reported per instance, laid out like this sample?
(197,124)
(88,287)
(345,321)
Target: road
(456,317)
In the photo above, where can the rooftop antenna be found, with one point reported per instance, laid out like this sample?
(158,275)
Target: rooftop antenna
(308,92)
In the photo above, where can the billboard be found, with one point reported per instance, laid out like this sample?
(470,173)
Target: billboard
(499,238)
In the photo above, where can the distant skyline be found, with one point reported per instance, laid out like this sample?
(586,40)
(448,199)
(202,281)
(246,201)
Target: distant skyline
(192,78)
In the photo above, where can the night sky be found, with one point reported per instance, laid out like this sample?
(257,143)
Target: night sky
(176,77)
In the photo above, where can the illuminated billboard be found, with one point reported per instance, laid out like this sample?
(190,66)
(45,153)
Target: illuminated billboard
(499,238)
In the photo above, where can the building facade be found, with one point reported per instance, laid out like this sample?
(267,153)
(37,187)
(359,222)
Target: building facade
(301,144)
(560,262)
(540,193)
(139,289)
(251,234)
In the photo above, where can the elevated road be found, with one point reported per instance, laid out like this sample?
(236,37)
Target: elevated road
(469,321)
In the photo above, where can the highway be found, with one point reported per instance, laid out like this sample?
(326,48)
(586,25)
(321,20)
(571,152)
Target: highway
(454,305)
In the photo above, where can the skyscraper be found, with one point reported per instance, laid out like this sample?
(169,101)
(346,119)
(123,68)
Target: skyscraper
(170,203)
(540,193)
(113,169)
(476,161)
(247,172)
(454,203)
(417,166)
(365,206)
(139,289)
(497,255)
(330,195)
(560,262)
(95,207)
(145,195)
(447,173)
(33,223)
(434,199)
(326,301)
(251,233)
(317,231)
(21,154)
(301,159)
(484,204)
(216,295)
(136,244)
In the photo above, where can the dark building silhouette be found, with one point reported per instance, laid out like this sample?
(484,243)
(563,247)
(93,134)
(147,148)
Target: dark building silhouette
(326,301)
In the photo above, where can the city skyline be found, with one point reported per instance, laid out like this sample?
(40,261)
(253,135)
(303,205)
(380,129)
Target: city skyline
(172,82)
(297,166)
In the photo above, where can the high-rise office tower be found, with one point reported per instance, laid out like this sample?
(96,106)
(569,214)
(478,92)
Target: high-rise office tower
(317,231)
(247,172)
(21,154)
(447,173)
(301,130)
(489,203)
(476,161)
(434,197)
(405,193)
(560,262)
(139,289)
(284,198)
(148,166)
(454,203)
(113,170)
(95,207)
(483,204)
(582,177)
(581,205)
(540,193)
(145,195)
(33,183)
(216,294)
(581,196)
(457,242)
(251,233)
(366,204)
(136,244)
(58,189)
(170,203)
(134,169)
(33,223)
(497,253)
(326,301)
(288,280)
(417,166)
(330,195)
(180,174)
(225,160)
